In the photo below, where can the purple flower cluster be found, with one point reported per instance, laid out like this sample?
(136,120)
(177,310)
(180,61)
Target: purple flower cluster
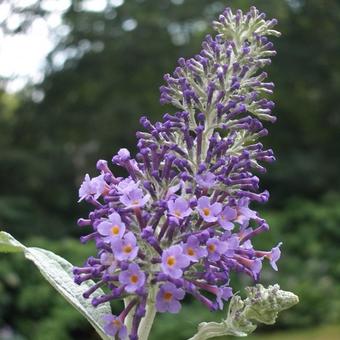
(180,221)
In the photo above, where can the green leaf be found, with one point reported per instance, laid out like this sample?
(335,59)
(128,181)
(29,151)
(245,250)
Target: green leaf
(58,272)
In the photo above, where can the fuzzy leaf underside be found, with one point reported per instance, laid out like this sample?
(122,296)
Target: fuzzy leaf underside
(58,272)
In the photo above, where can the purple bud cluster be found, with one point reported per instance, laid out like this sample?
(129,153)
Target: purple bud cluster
(180,220)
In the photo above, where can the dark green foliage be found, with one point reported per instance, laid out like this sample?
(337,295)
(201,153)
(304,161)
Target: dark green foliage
(90,109)
(310,264)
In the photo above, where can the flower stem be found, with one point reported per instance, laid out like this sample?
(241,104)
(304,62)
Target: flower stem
(211,330)
(129,317)
(146,323)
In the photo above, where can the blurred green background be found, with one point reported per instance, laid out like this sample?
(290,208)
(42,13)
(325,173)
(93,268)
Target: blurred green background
(102,75)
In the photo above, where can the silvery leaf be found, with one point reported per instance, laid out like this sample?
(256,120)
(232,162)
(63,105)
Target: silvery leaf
(58,272)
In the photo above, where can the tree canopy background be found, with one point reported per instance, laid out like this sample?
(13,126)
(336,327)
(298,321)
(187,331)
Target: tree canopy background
(102,75)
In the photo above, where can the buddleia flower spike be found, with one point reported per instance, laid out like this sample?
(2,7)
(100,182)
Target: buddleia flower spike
(181,220)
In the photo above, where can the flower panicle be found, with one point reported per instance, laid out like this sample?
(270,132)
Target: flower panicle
(180,220)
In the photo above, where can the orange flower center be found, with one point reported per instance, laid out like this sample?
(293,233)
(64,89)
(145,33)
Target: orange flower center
(238,214)
(115,230)
(206,211)
(178,213)
(170,261)
(127,249)
(190,252)
(134,278)
(106,191)
(167,296)
(211,248)
(117,323)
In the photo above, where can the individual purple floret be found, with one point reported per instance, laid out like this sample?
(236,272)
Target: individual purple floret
(223,294)
(108,260)
(274,256)
(193,250)
(244,214)
(94,187)
(132,278)
(126,185)
(115,326)
(134,198)
(167,299)
(173,261)
(126,248)
(180,222)
(179,208)
(216,248)
(208,211)
(206,180)
(112,228)
(226,216)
